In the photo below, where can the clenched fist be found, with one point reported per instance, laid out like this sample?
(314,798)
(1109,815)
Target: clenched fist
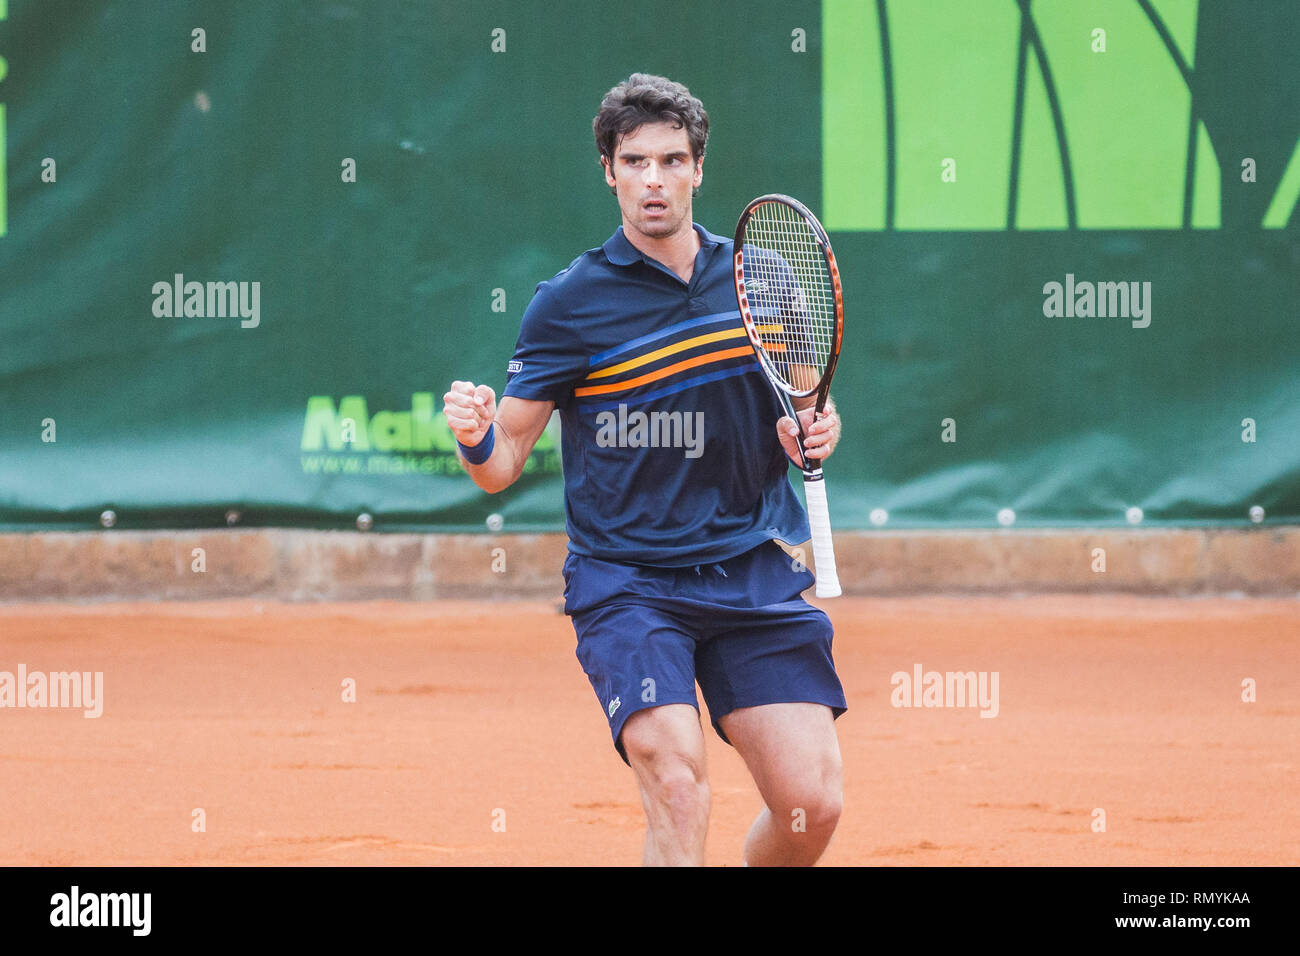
(470,409)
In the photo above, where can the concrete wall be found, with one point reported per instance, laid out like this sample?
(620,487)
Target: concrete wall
(293,565)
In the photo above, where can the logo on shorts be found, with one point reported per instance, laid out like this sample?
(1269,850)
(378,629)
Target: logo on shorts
(614,705)
(514,366)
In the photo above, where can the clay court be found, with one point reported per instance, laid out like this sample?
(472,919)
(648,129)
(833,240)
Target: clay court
(467,709)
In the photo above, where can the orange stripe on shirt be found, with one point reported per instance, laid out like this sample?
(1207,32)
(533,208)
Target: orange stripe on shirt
(707,359)
(668,350)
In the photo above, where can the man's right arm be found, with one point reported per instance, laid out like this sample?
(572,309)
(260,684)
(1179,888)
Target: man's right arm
(516,425)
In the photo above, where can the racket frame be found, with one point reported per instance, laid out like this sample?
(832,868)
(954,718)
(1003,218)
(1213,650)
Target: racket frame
(785,391)
(814,484)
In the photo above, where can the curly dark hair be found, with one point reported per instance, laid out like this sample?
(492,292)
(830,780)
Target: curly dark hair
(645,98)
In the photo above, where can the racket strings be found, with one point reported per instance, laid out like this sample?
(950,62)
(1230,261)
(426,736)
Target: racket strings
(791,295)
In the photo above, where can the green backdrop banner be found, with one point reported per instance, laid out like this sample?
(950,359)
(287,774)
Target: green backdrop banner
(246,245)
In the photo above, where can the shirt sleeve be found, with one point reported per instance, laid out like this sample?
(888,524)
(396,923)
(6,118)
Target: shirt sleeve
(548,361)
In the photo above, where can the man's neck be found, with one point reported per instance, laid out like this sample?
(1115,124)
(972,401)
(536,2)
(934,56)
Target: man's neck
(676,252)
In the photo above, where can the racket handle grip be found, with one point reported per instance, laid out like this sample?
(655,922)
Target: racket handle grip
(819,520)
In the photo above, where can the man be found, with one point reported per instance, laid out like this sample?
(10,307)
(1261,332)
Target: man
(676,457)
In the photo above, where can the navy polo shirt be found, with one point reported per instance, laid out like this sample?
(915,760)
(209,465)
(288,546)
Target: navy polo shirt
(668,425)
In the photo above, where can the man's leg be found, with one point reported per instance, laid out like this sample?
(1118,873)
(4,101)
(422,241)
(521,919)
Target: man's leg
(665,747)
(794,756)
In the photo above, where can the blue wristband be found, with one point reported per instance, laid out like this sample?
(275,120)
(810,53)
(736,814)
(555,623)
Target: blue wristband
(477,454)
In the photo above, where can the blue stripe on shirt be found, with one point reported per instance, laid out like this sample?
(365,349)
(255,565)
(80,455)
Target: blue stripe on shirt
(659,334)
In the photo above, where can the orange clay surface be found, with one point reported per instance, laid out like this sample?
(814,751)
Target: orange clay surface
(469,713)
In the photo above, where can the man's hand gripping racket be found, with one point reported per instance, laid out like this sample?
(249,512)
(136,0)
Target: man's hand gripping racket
(788,290)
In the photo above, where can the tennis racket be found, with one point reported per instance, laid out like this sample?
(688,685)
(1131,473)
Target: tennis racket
(788,288)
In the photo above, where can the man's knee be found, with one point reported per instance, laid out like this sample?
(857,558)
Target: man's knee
(666,750)
(822,809)
(678,787)
(814,803)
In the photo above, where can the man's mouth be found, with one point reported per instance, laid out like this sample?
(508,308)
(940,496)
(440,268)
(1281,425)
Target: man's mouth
(655,205)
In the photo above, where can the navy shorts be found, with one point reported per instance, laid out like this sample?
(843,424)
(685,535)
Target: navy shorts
(740,627)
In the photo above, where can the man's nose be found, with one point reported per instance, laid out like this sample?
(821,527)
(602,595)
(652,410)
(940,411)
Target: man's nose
(653,174)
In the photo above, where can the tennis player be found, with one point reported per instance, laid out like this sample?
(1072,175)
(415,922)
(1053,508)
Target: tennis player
(676,459)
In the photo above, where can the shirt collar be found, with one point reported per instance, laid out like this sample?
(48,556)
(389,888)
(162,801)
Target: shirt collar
(621,252)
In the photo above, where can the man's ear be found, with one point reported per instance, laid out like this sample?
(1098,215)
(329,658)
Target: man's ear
(699,172)
(609,171)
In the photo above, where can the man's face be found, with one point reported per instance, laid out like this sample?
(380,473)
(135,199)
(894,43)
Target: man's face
(653,176)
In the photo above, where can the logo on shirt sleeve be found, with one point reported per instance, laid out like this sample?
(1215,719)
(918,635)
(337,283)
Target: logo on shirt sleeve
(514,366)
